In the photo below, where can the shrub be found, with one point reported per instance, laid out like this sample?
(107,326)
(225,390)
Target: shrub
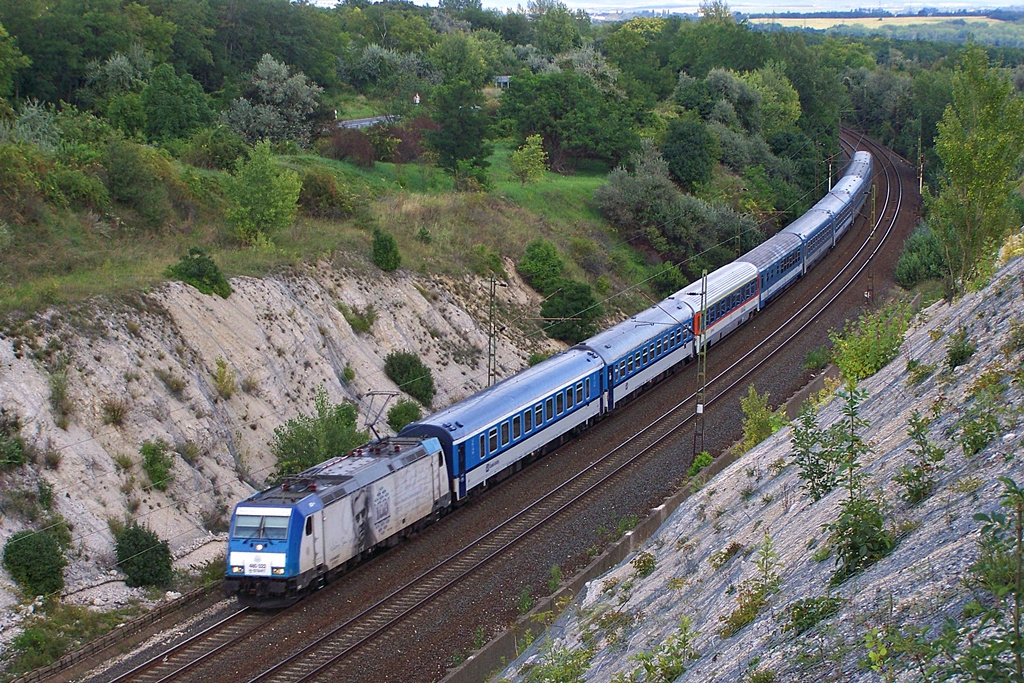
(920,260)
(411,375)
(918,479)
(143,557)
(644,563)
(702,460)
(320,196)
(402,413)
(385,251)
(541,266)
(19,197)
(157,463)
(78,188)
(759,421)
(308,440)
(815,456)
(200,271)
(805,614)
(719,558)
(571,312)
(361,321)
(114,411)
(217,147)
(817,358)
(867,346)
(224,379)
(348,144)
(264,196)
(35,561)
(959,349)
(859,537)
(12,447)
(137,177)
(554,578)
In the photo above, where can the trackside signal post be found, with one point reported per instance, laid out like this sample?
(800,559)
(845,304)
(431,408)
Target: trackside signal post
(702,369)
(492,336)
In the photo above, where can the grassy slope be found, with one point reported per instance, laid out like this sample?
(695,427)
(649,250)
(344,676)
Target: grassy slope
(71,256)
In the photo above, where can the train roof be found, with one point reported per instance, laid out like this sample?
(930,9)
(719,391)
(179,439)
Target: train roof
(616,341)
(485,408)
(771,250)
(720,282)
(342,475)
(809,222)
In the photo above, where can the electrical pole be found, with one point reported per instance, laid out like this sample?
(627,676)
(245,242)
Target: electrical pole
(492,335)
(702,368)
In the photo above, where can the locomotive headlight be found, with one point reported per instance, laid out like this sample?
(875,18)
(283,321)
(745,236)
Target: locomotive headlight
(278,570)
(236,569)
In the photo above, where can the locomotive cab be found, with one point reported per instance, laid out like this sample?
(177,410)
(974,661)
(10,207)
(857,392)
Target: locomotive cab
(274,551)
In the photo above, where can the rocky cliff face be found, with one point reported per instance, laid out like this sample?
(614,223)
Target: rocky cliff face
(702,560)
(144,368)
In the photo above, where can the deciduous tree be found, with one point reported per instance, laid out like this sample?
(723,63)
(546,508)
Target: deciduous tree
(529,161)
(981,136)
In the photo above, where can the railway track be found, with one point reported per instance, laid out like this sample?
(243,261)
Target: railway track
(335,653)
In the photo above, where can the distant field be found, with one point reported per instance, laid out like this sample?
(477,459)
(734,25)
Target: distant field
(869,22)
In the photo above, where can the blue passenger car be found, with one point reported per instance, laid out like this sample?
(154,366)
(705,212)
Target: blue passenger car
(489,434)
(642,348)
(779,262)
(815,230)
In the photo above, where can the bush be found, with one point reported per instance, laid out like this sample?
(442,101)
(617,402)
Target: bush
(410,138)
(218,147)
(959,349)
(35,561)
(156,463)
(19,197)
(385,251)
(320,196)
(920,260)
(702,460)
(805,614)
(348,144)
(200,271)
(143,557)
(411,375)
(137,177)
(402,413)
(541,266)
(867,346)
(759,421)
(224,379)
(264,196)
(690,151)
(12,447)
(308,440)
(572,312)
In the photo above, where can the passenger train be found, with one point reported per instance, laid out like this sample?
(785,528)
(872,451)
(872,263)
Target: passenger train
(311,526)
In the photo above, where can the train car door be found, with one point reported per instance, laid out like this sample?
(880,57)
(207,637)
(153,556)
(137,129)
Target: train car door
(312,540)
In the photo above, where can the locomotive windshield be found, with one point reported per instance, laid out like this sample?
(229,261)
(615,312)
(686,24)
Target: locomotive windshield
(259,526)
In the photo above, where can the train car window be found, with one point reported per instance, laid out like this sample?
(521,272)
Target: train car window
(483,453)
(309,526)
(504,433)
(588,387)
(644,361)
(631,364)
(440,456)
(539,411)
(637,359)
(550,408)
(559,402)
(622,369)
(515,427)
(275,528)
(568,398)
(492,438)
(657,347)
(528,420)
(579,392)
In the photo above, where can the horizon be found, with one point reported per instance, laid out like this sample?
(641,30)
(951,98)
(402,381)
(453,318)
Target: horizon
(604,7)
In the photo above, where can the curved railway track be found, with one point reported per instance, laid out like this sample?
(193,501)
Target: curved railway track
(334,653)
